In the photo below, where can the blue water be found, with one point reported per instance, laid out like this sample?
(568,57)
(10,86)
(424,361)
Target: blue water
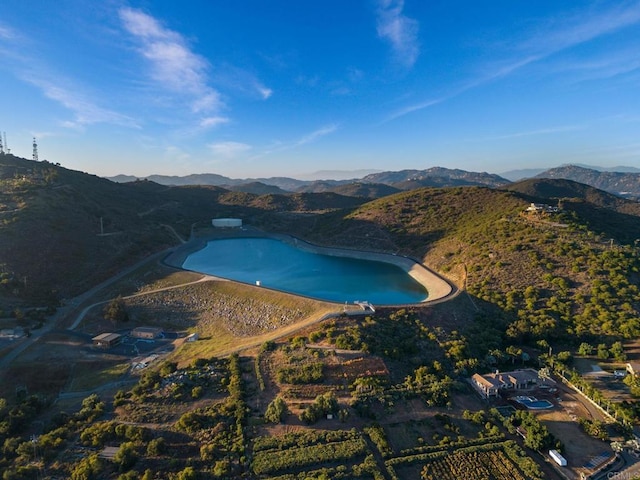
(282,266)
(538,405)
(533,403)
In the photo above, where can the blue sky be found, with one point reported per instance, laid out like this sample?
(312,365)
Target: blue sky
(258,88)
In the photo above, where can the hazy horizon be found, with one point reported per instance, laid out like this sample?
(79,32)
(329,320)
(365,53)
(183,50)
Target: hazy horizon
(279,89)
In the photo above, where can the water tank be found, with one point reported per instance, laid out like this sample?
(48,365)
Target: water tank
(227,222)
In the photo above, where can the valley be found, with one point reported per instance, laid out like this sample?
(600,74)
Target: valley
(251,383)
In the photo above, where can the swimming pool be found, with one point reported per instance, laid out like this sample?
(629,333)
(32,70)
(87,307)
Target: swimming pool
(284,266)
(532,403)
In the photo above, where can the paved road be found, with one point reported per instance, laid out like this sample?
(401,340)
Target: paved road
(448,292)
(64,312)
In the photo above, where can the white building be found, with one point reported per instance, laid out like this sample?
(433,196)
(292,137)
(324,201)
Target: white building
(490,384)
(227,222)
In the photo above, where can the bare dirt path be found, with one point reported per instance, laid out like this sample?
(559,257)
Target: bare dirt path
(440,290)
(82,314)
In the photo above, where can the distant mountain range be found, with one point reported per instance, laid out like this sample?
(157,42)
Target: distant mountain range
(624,181)
(515,175)
(377,184)
(624,184)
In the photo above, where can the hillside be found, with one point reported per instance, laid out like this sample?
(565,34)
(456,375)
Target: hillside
(620,183)
(381,395)
(435,176)
(402,180)
(355,189)
(604,213)
(257,188)
(85,228)
(544,275)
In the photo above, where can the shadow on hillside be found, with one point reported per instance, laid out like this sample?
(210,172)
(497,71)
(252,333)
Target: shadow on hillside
(332,230)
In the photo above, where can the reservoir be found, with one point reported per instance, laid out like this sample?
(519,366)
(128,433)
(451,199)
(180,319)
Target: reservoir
(282,266)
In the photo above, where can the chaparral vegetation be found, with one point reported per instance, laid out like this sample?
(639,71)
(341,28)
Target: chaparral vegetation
(159,373)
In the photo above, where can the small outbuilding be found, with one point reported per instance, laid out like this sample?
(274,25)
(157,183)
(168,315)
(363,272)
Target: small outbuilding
(558,458)
(227,222)
(148,333)
(106,340)
(192,337)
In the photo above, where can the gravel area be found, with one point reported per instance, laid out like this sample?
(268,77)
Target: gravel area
(203,306)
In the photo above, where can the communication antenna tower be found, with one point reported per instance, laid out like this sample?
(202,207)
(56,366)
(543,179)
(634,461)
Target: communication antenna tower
(6,145)
(1,145)
(35,150)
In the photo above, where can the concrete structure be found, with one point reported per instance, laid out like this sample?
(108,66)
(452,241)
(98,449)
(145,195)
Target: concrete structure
(192,337)
(490,384)
(227,222)
(106,340)
(633,368)
(559,459)
(146,332)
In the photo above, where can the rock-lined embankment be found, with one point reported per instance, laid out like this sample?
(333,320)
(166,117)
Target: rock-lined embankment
(437,287)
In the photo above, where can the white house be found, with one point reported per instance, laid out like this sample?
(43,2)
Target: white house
(490,384)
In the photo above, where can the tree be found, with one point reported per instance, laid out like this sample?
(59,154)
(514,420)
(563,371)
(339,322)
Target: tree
(277,410)
(187,474)
(196,392)
(603,351)
(87,469)
(617,351)
(222,468)
(322,405)
(116,311)
(156,447)
(126,456)
(514,352)
(585,349)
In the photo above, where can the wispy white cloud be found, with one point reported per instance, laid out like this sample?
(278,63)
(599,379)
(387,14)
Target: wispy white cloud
(571,30)
(211,122)
(541,131)
(85,111)
(315,135)
(236,79)
(27,64)
(39,135)
(174,66)
(419,106)
(552,37)
(265,92)
(399,30)
(229,149)
(604,66)
(279,146)
(172,152)
(7,33)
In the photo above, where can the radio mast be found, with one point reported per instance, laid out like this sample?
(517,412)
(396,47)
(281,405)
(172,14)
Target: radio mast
(35,150)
